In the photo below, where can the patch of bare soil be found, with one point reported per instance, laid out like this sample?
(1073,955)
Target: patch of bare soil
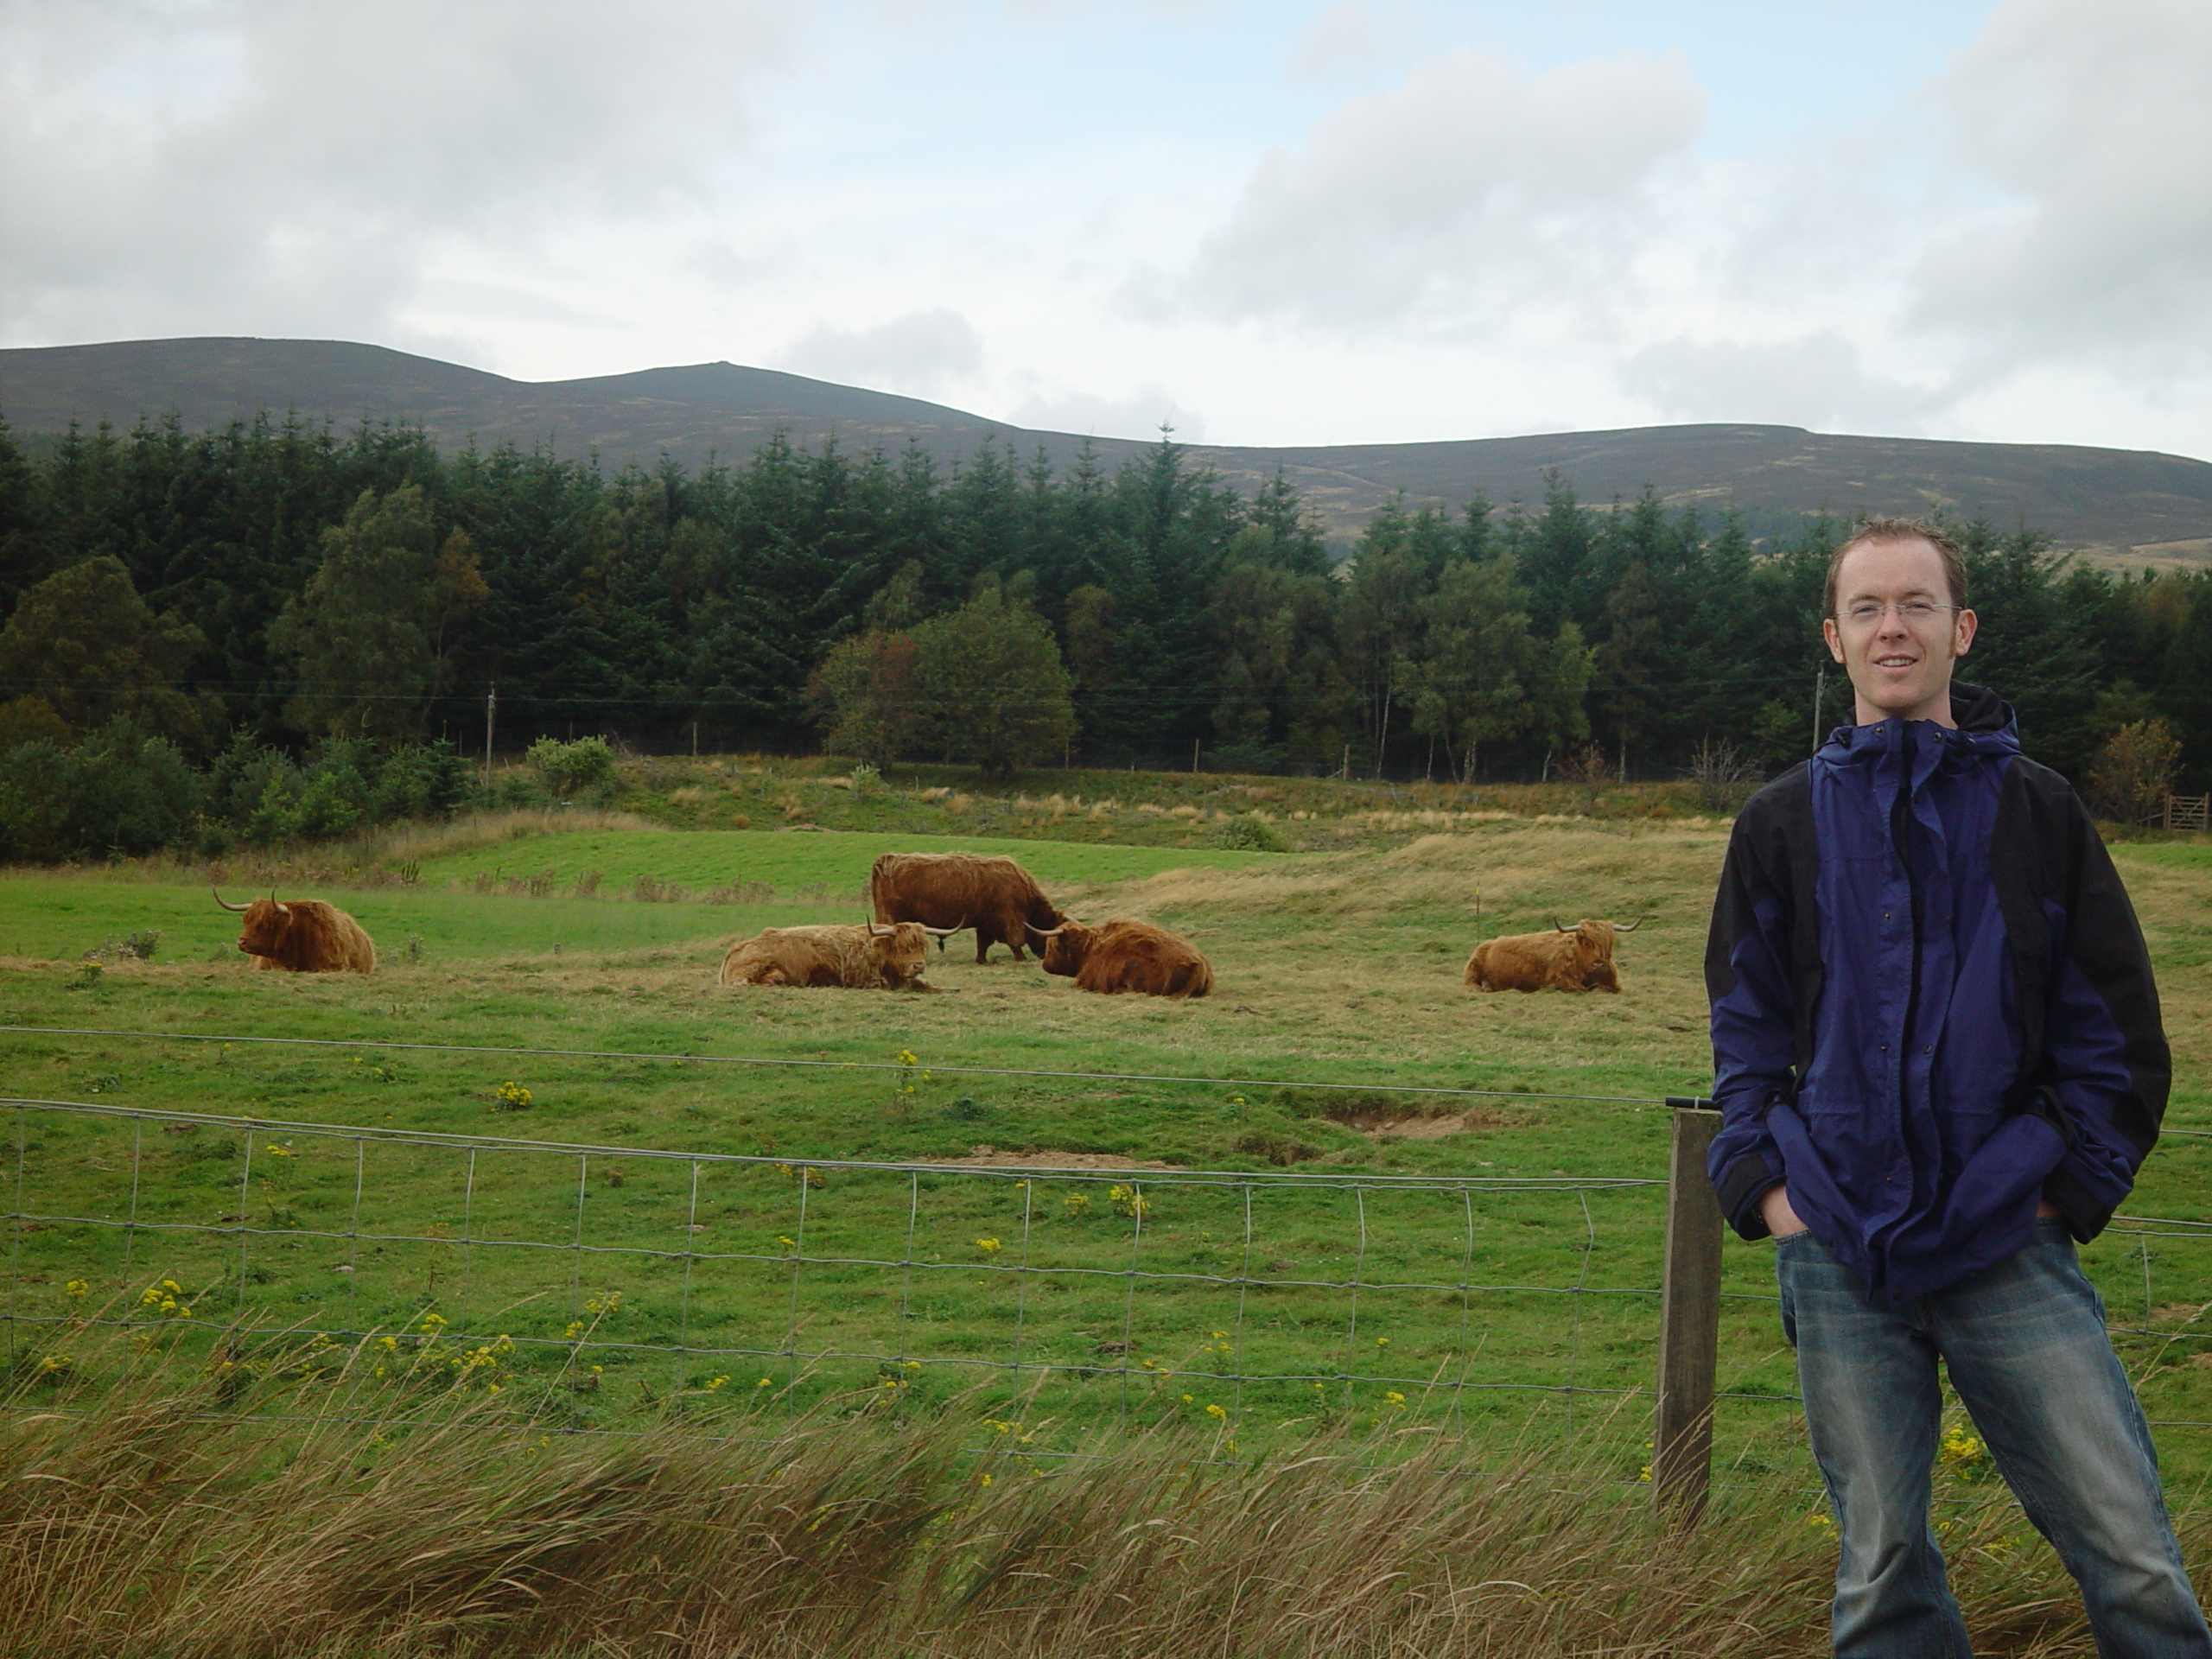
(1436,1126)
(1048,1158)
(1386,1117)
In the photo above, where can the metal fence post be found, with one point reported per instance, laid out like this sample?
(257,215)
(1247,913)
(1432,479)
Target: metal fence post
(1689,1320)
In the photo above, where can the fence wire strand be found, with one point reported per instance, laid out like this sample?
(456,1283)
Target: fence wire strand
(825,1273)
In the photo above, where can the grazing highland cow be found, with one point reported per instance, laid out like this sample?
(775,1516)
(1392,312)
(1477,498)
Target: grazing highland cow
(860,959)
(302,935)
(1578,958)
(946,892)
(1126,956)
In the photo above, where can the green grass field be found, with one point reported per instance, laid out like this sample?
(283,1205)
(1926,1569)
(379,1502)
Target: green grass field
(1333,1271)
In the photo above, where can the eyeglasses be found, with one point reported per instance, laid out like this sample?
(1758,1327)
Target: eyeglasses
(1913,613)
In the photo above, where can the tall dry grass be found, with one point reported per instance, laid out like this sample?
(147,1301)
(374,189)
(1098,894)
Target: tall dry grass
(329,1517)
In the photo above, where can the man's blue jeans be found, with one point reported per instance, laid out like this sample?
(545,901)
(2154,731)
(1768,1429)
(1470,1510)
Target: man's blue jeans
(2025,1345)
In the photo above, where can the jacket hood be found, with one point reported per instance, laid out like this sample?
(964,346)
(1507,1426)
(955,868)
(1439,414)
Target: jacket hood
(1987,725)
(1977,709)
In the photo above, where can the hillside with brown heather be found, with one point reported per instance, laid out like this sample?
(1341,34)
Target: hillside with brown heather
(2127,507)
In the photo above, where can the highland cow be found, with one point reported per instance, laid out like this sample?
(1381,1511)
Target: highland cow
(855,957)
(1578,958)
(302,935)
(1126,956)
(946,892)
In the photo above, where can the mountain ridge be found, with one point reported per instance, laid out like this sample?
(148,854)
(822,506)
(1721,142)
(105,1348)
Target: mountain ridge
(2125,507)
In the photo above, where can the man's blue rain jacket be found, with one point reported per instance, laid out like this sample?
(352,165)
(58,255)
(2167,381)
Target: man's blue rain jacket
(1931,1003)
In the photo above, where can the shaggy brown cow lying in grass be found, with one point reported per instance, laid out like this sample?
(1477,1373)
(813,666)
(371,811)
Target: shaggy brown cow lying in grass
(303,936)
(856,958)
(1126,956)
(1578,958)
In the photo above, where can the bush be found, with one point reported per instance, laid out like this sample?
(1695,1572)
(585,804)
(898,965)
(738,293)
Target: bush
(514,790)
(1723,775)
(421,781)
(120,792)
(275,816)
(331,804)
(253,789)
(1250,833)
(2133,770)
(568,767)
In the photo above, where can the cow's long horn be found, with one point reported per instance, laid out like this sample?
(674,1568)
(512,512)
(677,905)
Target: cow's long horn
(943,932)
(1046,932)
(1631,926)
(1563,930)
(874,931)
(217,891)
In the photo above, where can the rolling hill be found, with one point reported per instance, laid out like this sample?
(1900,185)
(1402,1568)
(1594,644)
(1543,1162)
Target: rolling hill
(2124,506)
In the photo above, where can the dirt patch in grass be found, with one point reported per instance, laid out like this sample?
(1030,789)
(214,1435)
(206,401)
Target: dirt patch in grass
(1401,1117)
(1050,1158)
(1434,1126)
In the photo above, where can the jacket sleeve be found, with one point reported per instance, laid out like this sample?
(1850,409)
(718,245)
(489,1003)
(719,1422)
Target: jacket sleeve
(1749,979)
(2106,1066)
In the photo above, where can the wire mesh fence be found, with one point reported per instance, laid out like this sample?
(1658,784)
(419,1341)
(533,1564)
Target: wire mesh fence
(617,1282)
(654,1275)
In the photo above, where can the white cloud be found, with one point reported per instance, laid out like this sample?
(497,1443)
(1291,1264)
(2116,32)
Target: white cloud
(1470,186)
(2021,251)
(1351,38)
(2096,125)
(917,353)
(1817,380)
(269,164)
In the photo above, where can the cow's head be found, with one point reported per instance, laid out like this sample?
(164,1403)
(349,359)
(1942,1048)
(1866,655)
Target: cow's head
(1593,951)
(262,933)
(1043,917)
(1065,946)
(902,952)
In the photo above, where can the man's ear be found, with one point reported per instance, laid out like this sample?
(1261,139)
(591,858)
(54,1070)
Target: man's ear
(1962,632)
(1835,639)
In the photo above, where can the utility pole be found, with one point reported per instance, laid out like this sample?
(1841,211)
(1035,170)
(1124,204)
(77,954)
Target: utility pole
(491,707)
(1819,690)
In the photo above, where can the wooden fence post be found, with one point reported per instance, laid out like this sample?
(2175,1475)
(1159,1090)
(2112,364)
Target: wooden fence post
(1689,1320)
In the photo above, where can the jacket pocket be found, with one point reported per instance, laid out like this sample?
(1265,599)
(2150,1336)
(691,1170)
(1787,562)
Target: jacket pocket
(1813,1193)
(1996,1186)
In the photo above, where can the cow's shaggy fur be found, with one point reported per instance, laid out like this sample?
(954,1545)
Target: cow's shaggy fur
(1578,958)
(303,936)
(856,956)
(1124,955)
(950,890)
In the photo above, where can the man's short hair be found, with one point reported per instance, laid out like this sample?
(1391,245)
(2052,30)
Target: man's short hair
(1879,528)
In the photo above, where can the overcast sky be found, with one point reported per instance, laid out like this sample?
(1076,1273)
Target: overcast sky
(1300,221)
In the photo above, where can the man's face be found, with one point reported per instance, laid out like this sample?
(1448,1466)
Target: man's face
(1900,663)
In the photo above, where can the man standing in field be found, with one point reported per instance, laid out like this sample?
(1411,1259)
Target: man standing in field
(1938,1054)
